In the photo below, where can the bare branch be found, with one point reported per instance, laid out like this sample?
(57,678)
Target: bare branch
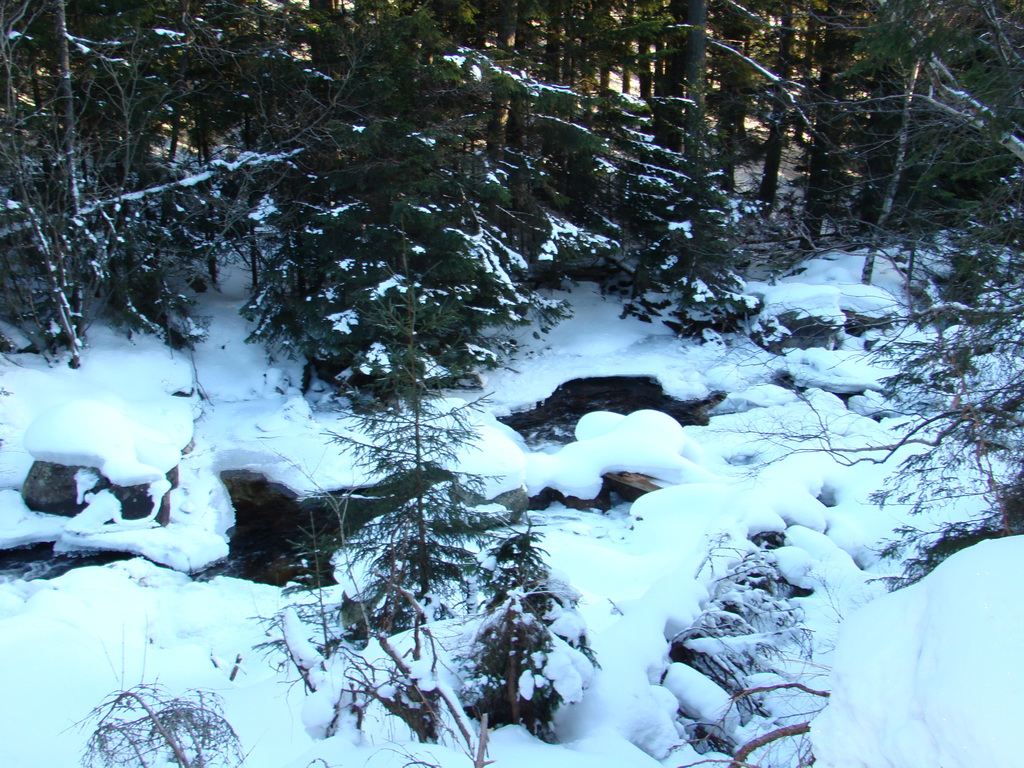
(740,759)
(766,688)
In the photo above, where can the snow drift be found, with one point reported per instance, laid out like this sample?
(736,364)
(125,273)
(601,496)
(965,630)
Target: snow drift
(930,675)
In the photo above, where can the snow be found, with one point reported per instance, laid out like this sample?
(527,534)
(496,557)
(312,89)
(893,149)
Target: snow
(597,341)
(771,462)
(495,459)
(20,526)
(929,675)
(94,434)
(698,696)
(646,441)
(800,299)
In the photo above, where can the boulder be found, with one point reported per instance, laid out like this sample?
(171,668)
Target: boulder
(516,501)
(805,332)
(59,489)
(247,487)
(54,488)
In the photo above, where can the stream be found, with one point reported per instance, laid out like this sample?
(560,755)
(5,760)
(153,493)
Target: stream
(273,526)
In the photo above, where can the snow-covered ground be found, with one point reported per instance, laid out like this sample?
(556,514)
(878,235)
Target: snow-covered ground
(647,572)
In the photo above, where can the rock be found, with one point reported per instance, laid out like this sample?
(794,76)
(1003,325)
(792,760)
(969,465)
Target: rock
(805,332)
(549,496)
(516,501)
(58,489)
(860,325)
(54,488)
(136,502)
(248,487)
(628,486)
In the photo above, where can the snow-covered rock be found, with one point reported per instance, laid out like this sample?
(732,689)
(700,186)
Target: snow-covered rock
(93,434)
(649,442)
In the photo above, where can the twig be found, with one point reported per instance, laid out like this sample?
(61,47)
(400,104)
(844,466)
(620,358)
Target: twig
(766,688)
(480,760)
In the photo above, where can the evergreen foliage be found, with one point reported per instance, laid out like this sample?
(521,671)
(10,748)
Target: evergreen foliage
(411,561)
(493,147)
(529,653)
(472,154)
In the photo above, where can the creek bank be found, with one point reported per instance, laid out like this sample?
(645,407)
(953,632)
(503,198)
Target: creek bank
(274,527)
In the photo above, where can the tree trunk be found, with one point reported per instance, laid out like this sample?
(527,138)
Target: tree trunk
(694,61)
(323,49)
(775,144)
(66,299)
(679,115)
(824,167)
(645,80)
(69,143)
(508,24)
(899,165)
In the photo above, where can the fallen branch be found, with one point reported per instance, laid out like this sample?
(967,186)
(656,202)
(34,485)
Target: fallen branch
(740,758)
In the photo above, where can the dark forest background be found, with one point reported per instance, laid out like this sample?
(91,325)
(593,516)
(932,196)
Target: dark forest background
(482,150)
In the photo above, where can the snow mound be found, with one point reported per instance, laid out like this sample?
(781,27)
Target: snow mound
(929,675)
(93,434)
(21,527)
(645,441)
(843,271)
(800,300)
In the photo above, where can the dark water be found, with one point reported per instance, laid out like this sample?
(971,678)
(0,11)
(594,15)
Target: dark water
(41,562)
(276,532)
(554,419)
(271,541)
(269,544)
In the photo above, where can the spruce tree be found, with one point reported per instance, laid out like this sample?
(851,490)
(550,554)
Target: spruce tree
(528,654)
(410,563)
(675,227)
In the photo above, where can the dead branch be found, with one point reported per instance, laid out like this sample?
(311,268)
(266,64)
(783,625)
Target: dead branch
(766,688)
(740,759)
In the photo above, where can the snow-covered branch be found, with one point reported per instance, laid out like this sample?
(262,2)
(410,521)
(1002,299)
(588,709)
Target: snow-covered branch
(961,104)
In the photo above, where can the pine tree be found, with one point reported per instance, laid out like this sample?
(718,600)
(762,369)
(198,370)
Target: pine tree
(529,653)
(410,563)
